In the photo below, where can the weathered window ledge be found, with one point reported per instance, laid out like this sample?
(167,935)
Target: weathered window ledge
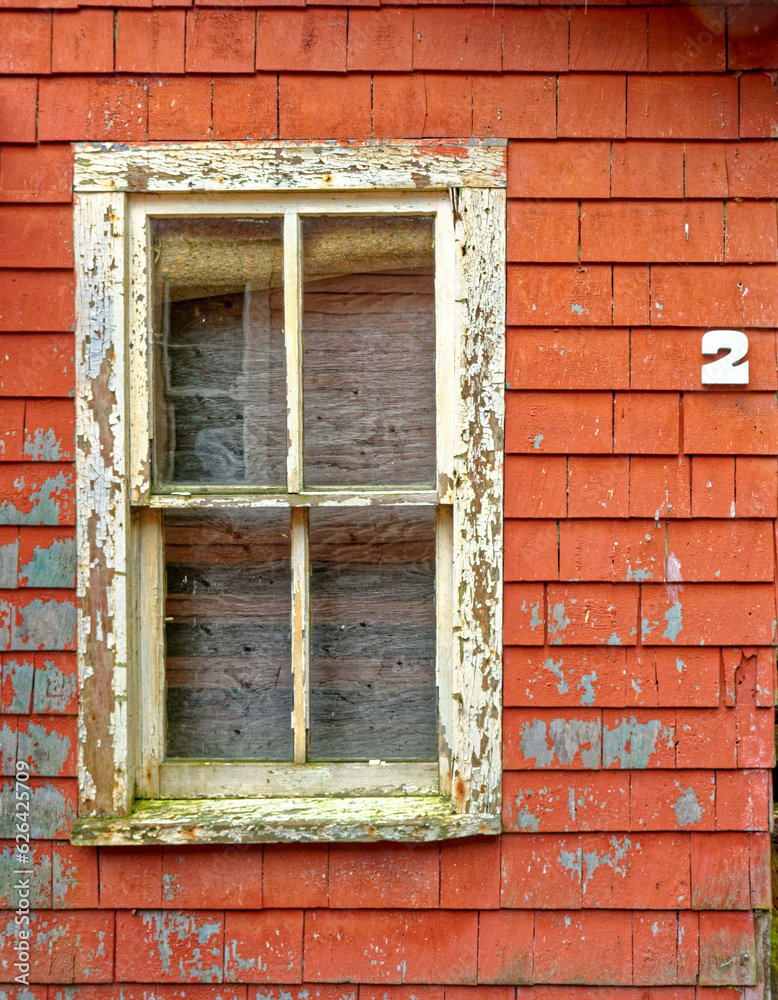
(246,821)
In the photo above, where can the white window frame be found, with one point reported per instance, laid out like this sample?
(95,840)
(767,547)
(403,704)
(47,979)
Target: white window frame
(128,794)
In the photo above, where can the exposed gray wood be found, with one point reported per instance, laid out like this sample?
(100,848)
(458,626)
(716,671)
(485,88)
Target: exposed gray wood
(231,779)
(373,635)
(227,635)
(270,166)
(231,723)
(236,821)
(102,505)
(369,391)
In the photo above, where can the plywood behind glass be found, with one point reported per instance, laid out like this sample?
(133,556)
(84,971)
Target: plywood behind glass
(227,634)
(368,351)
(219,369)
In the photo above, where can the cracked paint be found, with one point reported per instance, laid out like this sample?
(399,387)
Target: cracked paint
(44,504)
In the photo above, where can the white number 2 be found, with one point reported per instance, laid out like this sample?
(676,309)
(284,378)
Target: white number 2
(724,370)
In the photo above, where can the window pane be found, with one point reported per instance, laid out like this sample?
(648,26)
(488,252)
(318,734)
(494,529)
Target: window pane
(373,634)
(220,390)
(227,635)
(369,351)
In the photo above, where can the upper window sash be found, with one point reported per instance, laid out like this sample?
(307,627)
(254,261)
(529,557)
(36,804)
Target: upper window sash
(290,209)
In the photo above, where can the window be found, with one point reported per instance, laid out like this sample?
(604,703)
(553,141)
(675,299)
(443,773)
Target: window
(290,490)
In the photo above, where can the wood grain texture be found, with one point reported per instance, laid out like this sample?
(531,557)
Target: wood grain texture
(239,779)
(369,364)
(477,686)
(228,644)
(102,506)
(235,821)
(270,166)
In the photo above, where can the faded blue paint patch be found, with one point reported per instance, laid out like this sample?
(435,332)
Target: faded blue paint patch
(9,563)
(525,820)
(45,751)
(586,684)
(40,878)
(6,618)
(45,502)
(43,446)
(64,879)
(190,962)
(559,622)
(640,574)
(561,741)
(611,858)
(17,686)
(8,742)
(674,619)
(235,963)
(630,743)
(686,807)
(45,624)
(51,814)
(556,670)
(169,884)
(571,862)
(536,441)
(613,639)
(577,309)
(54,690)
(54,566)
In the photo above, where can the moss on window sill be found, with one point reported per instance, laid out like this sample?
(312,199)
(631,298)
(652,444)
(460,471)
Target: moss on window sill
(245,821)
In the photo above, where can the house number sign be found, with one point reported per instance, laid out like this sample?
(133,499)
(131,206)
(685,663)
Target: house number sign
(726,370)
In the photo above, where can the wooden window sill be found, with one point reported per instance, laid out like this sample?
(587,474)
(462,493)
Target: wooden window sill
(246,821)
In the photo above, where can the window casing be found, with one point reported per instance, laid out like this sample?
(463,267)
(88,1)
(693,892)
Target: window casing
(130,791)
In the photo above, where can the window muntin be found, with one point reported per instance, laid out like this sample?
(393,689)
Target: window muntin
(119,544)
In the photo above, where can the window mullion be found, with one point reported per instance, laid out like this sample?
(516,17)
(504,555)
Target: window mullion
(300,632)
(293,335)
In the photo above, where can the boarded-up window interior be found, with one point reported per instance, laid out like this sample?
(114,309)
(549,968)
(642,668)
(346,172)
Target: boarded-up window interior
(294,599)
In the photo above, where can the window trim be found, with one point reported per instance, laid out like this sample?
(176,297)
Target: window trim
(112,473)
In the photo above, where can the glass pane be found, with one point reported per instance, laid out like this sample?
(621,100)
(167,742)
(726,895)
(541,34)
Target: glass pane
(369,351)
(373,634)
(220,387)
(227,635)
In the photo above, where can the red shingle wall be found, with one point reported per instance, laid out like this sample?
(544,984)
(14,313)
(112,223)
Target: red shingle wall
(640,533)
